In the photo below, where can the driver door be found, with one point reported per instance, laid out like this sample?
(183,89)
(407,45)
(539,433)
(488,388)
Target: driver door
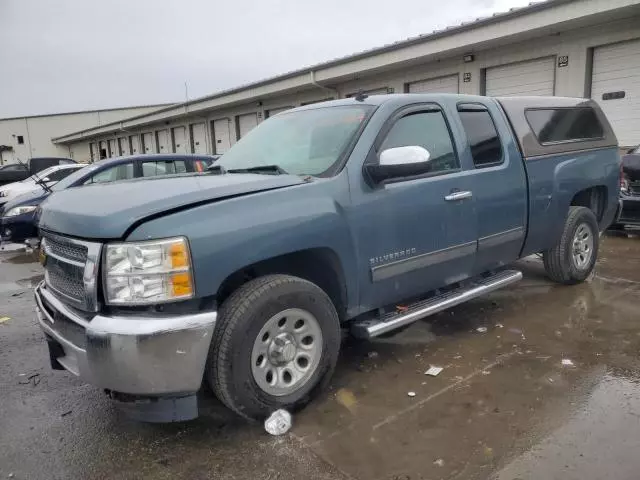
(416,233)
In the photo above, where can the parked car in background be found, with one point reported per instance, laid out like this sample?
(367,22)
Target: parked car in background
(18,216)
(629,214)
(367,213)
(39,181)
(19,171)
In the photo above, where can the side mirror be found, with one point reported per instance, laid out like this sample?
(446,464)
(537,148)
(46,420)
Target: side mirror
(399,162)
(46,179)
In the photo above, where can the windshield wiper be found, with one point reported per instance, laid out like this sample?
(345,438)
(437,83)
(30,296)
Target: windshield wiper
(260,169)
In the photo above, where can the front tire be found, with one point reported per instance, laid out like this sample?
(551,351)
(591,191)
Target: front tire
(275,345)
(573,259)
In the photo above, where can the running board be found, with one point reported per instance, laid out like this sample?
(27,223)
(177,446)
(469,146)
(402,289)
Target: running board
(378,326)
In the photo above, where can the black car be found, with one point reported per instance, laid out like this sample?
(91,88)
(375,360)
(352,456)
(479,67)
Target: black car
(18,216)
(629,191)
(19,171)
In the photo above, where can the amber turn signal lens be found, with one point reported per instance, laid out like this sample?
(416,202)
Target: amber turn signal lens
(179,255)
(181,285)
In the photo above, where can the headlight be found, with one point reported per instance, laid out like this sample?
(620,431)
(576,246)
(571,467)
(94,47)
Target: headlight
(143,273)
(15,211)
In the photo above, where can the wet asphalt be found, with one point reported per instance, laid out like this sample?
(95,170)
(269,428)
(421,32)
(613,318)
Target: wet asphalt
(504,407)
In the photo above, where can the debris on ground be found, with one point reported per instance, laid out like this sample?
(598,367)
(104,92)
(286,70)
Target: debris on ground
(411,394)
(33,379)
(567,362)
(486,372)
(4,319)
(439,462)
(278,423)
(347,399)
(433,371)
(372,354)
(17,294)
(499,325)
(481,329)
(66,413)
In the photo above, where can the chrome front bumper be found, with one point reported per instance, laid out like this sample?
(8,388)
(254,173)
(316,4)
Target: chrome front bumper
(138,355)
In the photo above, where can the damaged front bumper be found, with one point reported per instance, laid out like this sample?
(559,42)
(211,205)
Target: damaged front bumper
(146,356)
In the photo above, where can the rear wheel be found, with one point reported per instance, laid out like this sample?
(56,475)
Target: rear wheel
(572,260)
(275,346)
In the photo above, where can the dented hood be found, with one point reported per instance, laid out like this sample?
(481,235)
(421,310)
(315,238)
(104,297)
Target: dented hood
(109,210)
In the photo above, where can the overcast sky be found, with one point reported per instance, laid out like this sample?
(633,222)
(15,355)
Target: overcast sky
(66,55)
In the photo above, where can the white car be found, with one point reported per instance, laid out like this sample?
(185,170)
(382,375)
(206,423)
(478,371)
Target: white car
(49,176)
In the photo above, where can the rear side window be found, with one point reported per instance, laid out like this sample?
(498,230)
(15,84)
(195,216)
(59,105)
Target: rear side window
(553,125)
(163,167)
(482,136)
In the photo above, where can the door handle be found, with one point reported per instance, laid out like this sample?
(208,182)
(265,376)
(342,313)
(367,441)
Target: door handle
(455,196)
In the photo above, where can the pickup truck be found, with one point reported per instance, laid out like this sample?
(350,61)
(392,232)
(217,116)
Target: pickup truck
(17,172)
(363,214)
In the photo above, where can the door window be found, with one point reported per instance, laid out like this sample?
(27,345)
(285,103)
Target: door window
(428,130)
(164,167)
(119,172)
(482,136)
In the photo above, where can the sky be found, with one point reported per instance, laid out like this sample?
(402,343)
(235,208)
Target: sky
(67,55)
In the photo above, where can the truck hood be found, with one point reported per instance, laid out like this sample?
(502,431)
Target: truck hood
(109,210)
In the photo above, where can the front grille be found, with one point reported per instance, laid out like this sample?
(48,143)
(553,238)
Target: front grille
(634,188)
(70,251)
(68,264)
(65,278)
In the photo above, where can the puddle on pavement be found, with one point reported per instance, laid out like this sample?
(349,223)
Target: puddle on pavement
(500,393)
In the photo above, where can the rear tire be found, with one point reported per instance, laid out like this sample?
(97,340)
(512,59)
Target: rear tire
(573,259)
(275,345)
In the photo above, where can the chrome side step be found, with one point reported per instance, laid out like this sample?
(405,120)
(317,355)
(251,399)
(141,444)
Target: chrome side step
(389,322)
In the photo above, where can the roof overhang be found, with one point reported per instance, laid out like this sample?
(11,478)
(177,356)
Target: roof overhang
(538,19)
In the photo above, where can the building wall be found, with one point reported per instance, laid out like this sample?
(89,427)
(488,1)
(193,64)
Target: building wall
(570,80)
(37,132)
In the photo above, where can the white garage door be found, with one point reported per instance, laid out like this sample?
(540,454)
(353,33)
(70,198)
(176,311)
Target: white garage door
(246,123)
(274,111)
(113,150)
(124,146)
(533,77)
(179,140)
(163,141)
(616,69)
(199,136)
(135,145)
(447,84)
(221,135)
(148,142)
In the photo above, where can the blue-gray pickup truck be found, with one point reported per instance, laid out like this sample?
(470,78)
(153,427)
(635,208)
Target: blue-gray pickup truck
(363,214)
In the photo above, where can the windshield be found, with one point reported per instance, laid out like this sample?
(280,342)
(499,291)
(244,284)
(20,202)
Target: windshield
(74,177)
(307,142)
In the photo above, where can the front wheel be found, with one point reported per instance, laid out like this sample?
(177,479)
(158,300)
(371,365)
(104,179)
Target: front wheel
(573,259)
(275,345)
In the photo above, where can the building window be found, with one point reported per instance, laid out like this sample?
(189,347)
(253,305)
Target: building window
(20,139)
